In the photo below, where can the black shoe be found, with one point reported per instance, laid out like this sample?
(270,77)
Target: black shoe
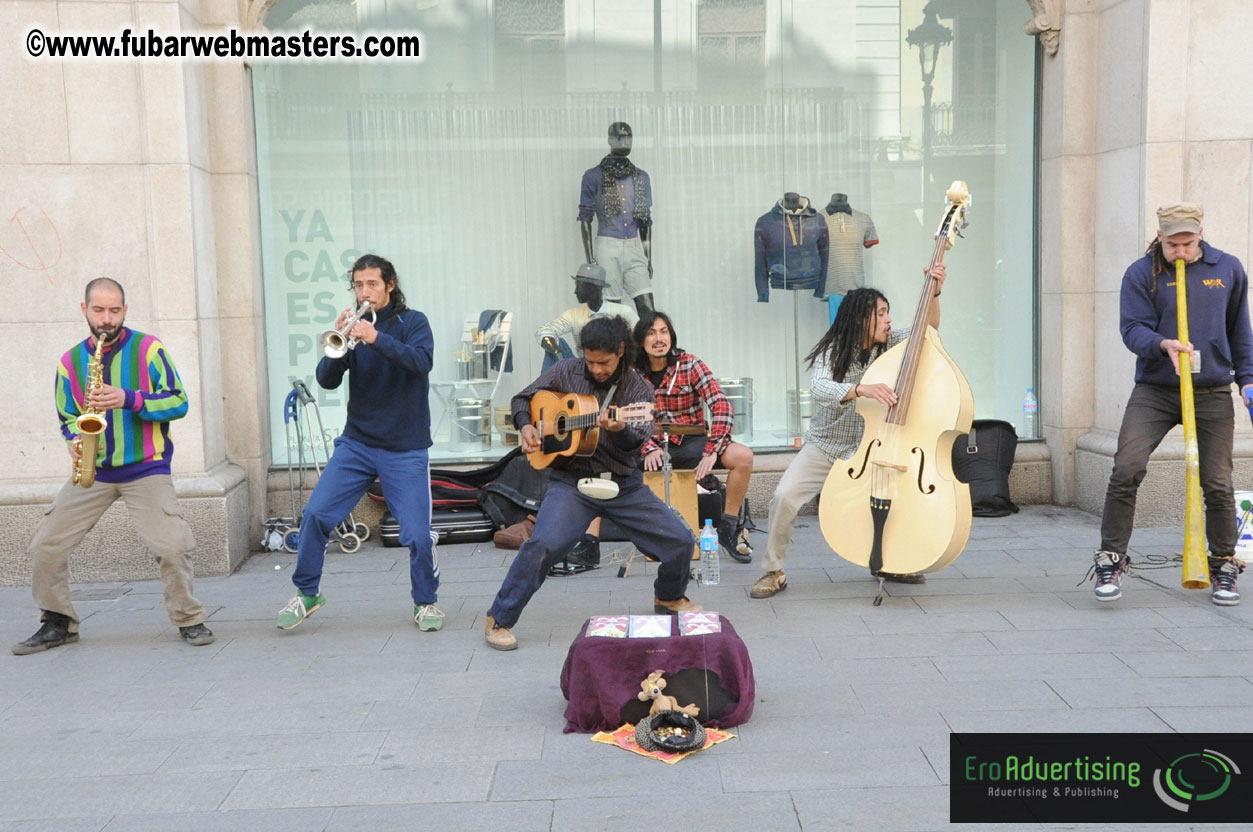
(730,541)
(586,551)
(197,634)
(54,632)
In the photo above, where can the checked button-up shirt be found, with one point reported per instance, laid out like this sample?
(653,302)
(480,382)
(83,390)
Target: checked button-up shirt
(686,384)
(835,428)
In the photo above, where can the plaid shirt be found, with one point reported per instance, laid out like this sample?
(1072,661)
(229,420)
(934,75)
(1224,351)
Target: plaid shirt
(686,384)
(835,428)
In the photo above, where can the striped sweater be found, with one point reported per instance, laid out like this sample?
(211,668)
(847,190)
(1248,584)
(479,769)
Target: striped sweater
(137,441)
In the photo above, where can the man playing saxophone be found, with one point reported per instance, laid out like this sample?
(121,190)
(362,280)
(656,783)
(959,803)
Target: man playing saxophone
(137,392)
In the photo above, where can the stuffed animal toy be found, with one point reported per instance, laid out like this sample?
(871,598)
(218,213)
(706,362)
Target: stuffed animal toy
(652,687)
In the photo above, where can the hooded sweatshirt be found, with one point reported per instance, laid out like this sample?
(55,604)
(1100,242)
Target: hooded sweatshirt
(1218,319)
(791,250)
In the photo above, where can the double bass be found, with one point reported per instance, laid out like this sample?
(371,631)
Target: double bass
(896,506)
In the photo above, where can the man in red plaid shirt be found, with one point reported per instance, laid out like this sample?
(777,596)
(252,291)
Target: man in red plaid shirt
(682,383)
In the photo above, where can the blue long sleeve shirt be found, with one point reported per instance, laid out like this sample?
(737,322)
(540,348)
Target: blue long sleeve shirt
(388,383)
(1218,319)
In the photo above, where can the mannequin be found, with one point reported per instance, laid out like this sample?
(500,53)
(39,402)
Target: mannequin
(839,202)
(620,196)
(560,337)
(790,246)
(851,232)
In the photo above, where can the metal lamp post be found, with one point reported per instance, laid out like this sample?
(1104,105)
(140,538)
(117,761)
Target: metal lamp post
(928,36)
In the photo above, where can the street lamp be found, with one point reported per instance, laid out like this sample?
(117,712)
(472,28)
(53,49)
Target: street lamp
(929,36)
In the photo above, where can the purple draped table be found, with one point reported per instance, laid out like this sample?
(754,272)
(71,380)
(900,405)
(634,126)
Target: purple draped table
(601,675)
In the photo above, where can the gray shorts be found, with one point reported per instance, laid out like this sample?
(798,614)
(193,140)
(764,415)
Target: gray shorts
(626,267)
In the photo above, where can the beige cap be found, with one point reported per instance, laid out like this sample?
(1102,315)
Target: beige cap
(1180,218)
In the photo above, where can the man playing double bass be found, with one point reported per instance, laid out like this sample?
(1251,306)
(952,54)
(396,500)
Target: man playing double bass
(862,331)
(1222,346)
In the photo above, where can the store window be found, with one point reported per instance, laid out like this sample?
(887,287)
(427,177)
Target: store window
(466,172)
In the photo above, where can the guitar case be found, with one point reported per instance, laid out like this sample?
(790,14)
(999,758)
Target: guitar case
(452,525)
(983,458)
(469,506)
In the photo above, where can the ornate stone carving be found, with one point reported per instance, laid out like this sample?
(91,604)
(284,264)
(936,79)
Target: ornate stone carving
(255,13)
(1046,22)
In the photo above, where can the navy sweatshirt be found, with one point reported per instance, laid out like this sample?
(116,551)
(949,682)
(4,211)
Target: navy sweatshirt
(387,383)
(790,250)
(1218,319)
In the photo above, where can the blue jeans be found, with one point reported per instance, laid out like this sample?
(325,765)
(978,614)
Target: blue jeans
(563,351)
(833,306)
(563,518)
(406,482)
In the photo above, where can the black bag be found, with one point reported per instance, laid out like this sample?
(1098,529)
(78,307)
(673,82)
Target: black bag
(516,491)
(983,458)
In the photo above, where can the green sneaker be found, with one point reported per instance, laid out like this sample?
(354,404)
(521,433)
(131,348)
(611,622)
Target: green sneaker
(298,609)
(428,617)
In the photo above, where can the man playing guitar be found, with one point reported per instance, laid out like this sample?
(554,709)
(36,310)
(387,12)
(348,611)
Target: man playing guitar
(603,372)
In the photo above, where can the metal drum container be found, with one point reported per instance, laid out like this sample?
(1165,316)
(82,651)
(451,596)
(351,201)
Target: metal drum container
(800,409)
(739,392)
(471,424)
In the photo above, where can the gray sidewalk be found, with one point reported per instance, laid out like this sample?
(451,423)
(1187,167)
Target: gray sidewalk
(358,721)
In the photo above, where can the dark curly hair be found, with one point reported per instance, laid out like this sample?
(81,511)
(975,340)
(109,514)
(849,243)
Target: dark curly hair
(607,334)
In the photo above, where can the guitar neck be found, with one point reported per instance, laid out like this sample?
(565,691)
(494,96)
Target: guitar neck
(588,420)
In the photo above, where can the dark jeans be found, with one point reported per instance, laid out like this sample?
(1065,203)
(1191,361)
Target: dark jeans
(563,518)
(1151,412)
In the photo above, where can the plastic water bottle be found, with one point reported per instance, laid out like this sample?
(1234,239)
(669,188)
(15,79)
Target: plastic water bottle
(709,575)
(1029,408)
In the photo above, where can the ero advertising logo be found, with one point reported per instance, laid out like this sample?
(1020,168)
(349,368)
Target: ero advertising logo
(1194,778)
(1094,778)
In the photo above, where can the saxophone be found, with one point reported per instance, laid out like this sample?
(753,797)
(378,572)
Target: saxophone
(91,422)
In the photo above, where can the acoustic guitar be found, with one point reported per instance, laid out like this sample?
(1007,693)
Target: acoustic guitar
(567,424)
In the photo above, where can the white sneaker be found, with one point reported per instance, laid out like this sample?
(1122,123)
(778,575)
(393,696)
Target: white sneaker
(1109,568)
(428,617)
(1222,577)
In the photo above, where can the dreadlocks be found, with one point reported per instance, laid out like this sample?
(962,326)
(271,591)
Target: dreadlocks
(847,336)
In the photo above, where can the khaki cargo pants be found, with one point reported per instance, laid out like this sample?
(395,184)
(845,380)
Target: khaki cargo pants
(154,510)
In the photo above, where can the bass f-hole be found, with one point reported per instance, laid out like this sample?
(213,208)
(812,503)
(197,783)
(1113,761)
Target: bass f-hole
(929,488)
(865,460)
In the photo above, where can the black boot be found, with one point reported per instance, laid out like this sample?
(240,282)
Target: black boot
(54,632)
(586,551)
(727,536)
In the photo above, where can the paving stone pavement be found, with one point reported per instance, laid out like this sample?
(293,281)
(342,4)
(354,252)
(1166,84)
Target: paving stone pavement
(358,721)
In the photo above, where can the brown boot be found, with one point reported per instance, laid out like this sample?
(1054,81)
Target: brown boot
(675,607)
(769,584)
(499,637)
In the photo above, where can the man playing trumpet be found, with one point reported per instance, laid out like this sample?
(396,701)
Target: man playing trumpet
(388,362)
(132,462)
(1221,351)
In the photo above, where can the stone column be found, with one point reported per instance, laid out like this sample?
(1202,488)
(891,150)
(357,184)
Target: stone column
(112,168)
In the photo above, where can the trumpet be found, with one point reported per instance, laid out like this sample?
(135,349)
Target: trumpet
(336,342)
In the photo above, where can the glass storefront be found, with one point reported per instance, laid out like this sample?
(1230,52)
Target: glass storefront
(465,171)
